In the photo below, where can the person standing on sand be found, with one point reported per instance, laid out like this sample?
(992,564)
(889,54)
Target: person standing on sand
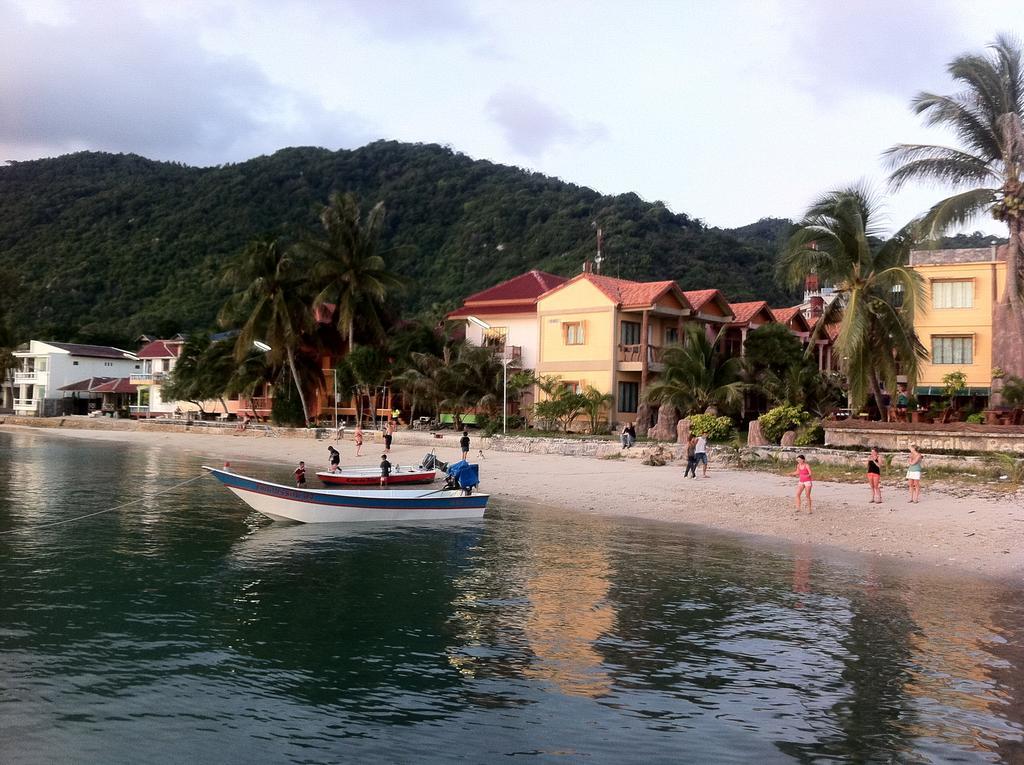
(387,437)
(875,476)
(691,458)
(334,458)
(914,473)
(300,475)
(700,455)
(464,444)
(805,481)
(358,438)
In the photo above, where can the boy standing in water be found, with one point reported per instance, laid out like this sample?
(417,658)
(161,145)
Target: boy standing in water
(300,475)
(385,470)
(804,482)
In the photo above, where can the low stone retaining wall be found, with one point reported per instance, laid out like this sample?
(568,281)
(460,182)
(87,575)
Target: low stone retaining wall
(898,436)
(818,454)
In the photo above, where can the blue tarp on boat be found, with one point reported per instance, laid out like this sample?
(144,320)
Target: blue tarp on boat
(467,475)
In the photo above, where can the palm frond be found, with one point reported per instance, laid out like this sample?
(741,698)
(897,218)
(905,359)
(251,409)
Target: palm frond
(956,210)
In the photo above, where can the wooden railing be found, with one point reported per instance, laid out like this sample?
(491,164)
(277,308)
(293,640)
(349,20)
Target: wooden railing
(635,353)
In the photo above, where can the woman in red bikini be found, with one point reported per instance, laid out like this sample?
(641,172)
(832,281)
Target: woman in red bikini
(804,482)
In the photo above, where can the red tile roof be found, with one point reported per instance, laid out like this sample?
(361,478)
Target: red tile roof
(746,312)
(833,330)
(118,385)
(790,315)
(85,385)
(525,287)
(699,298)
(492,309)
(631,294)
(160,349)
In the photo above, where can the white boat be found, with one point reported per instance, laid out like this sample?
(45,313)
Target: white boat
(287,503)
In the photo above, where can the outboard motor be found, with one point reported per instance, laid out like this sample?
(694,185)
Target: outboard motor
(464,476)
(430,461)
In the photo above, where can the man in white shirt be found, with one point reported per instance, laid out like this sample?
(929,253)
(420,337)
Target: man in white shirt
(700,453)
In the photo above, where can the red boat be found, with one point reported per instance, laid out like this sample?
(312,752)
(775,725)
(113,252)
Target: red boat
(371,476)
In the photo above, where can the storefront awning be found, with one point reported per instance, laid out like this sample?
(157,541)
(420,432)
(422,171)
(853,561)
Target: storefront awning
(938,390)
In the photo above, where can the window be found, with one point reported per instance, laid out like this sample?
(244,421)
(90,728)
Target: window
(572,333)
(953,294)
(629,396)
(672,336)
(110,364)
(40,365)
(495,337)
(629,333)
(572,387)
(952,350)
(74,363)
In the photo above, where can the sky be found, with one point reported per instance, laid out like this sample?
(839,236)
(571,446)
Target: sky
(729,111)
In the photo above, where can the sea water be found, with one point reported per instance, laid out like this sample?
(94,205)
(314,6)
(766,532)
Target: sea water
(185,628)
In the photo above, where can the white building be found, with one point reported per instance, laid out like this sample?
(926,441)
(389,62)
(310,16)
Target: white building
(45,367)
(158,358)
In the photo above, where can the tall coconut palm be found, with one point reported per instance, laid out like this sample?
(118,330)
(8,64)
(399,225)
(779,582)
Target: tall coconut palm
(348,266)
(698,376)
(986,117)
(272,299)
(838,239)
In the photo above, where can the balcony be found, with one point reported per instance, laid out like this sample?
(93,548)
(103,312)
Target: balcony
(25,403)
(137,411)
(147,378)
(25,377)
(514,353)
(631,358)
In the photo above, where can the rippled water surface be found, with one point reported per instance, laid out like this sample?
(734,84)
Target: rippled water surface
(185,628)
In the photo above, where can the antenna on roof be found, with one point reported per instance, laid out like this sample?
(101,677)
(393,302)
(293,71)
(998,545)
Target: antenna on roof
(599,257)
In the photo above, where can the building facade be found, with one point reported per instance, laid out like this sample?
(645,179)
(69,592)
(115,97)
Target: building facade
(962,287)
(45,367)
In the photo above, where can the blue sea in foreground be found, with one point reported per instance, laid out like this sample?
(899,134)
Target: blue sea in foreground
(185,628)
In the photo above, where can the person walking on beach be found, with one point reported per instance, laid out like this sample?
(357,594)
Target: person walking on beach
(914,473)
(691,458)
(464,444)
(386,431)
(700,454)
(805,482)
(385,470)
(875,476)
(358,438)
(334,458)
(300,475)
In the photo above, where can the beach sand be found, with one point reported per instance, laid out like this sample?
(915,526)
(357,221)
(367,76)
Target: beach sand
(984,535)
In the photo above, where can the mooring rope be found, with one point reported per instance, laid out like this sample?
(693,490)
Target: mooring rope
(107,510)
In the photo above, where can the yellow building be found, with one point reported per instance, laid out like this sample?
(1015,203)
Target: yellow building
(610,333)
(961,288)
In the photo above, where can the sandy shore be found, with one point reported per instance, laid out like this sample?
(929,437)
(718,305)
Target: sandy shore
(982,535)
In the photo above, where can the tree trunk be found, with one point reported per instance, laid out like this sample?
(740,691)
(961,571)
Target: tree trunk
(351,334)
(1013,251)
(298,386)
(876,391)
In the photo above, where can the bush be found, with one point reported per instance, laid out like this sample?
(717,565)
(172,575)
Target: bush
(715,428)
(777,421)
(810,435)
(977,419)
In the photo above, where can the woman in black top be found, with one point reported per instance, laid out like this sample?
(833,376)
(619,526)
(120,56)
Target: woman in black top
(875,476)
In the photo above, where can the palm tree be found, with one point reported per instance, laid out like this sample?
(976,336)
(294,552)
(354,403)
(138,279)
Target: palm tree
(697,376)
(596,401)
(837,238)
(987,119)
(348,265)
(271,296)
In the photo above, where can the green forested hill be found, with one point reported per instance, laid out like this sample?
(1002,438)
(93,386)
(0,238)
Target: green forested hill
(100,247)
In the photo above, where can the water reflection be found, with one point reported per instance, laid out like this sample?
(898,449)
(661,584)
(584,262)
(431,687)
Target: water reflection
(190,622)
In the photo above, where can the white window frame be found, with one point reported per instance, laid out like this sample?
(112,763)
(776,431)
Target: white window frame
(944,352)
(952,293)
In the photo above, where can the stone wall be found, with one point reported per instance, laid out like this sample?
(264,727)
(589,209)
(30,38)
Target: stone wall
(956,436)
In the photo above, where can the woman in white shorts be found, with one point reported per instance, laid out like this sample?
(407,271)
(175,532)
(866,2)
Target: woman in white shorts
(914,473)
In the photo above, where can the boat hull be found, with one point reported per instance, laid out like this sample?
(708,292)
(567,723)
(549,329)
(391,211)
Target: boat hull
(372,477)
(286,503)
